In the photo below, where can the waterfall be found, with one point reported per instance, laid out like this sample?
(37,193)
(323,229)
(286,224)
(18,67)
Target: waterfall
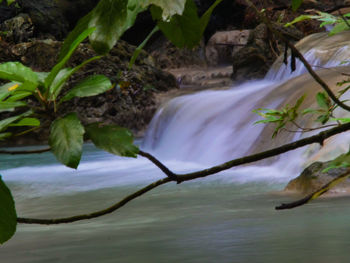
(214,126)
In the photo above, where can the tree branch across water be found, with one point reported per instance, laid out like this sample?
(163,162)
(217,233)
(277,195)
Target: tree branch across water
(319,138)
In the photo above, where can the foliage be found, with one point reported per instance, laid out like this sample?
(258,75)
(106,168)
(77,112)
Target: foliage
(280,117)
(339,23)
(8,217)
(103,25)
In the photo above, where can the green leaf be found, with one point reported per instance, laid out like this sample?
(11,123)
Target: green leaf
(63,75)
(27,122)
(8,216)
(10,106)
(6,122)
(299,19)
(66,139)
(323,100)
(18,95)
(296,4)
(56,69)
(110,18)
(169,8)
(15,71)
(184,30)
(340,27)
(91,86)
(81,26)
(342,120)
(113,139)
(204,20)
(141,46)
(4,135)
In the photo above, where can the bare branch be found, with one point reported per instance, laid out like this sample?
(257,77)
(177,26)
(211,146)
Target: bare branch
(161,166)
(95,214)
(317,193)
(319,138)
(25,152)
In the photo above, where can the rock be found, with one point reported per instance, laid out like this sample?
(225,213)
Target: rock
(130,104)
(224,44)
(262,49)
(46,16)
(167,56)
(17,29)
(312,178)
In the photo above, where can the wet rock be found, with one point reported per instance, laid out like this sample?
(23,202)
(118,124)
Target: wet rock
(224,44)
(312,178)
(262,49)
(46,16)
(166,55)
(17,29)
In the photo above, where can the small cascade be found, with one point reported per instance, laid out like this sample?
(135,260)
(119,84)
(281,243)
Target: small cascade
(215,126)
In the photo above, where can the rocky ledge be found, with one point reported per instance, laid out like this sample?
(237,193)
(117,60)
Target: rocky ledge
(313,178)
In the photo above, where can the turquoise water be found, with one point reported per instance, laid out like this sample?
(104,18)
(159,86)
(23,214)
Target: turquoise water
(223,218)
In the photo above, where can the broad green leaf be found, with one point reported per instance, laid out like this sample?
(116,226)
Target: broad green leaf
(56,69)
(66,139)
(296,4)
(15,71)
(110,19)
(10,106)
(4,135)
(169,8)
(63,75)
(113,139)
(8,216)
(27,122)
(204,20)
(184,30)
(323,100)
(90,86)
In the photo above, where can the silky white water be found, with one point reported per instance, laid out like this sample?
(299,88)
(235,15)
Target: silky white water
(228,217)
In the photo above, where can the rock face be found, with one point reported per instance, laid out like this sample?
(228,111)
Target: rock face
(312,178)
(130,104)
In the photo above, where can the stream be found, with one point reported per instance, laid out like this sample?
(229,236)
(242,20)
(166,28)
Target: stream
(227,217)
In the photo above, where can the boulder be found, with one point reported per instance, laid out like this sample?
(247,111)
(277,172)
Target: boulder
(312,178)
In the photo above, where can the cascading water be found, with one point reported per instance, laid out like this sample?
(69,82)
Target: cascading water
(215,126)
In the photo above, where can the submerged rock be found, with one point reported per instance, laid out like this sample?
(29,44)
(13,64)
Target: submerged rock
(312,179)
